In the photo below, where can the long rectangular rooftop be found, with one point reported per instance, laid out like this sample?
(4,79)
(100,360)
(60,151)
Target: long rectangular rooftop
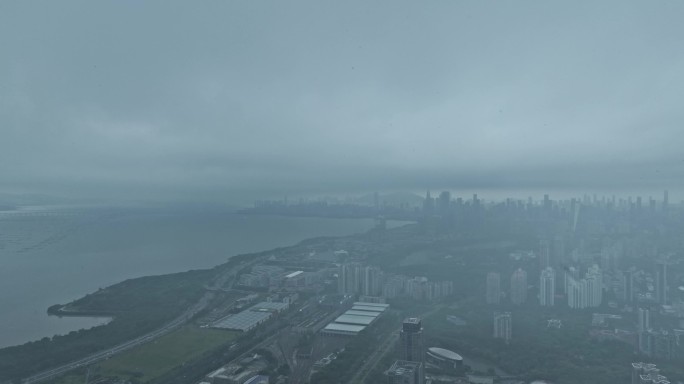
(353,319)
(368,308)
(372,304)
(362,313)
(344,327)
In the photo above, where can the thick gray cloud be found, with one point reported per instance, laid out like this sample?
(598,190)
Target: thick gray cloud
(216,99)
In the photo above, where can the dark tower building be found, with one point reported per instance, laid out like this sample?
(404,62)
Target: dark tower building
(411,344)
(428,204)
(444,202)
(411,340)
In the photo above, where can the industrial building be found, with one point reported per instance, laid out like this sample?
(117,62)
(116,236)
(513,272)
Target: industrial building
(251,317)
(355,320)
(335,329)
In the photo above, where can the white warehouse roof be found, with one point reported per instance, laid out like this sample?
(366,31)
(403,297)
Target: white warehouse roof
(362,313)
(353,319)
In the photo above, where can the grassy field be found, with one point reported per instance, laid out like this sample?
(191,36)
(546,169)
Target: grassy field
(154,359)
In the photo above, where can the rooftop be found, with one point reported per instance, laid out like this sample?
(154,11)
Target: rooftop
(354,319)
(445,353)
(269,305)
(362,313)
(368,308)
(372,304)
(344,327)
(243,321)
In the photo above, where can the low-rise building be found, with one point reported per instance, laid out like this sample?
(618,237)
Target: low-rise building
(251,317)
(405,372)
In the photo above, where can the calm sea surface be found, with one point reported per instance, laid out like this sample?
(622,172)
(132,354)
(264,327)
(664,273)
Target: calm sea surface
(51,255)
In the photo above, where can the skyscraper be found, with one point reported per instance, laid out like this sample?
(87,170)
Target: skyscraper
(370,284)
(444,202)
(519,286)
(411,340)
(558,250)
(428,204)
(627,282)
(544,254)
(547,287)
(644,319)
(661,282)
(587,292)
(493,288)
(350,278)
(503,326)
(594,286)
(573,290)
(411,344)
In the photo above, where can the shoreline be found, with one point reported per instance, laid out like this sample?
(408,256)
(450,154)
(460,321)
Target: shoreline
(61,310)
(118,264)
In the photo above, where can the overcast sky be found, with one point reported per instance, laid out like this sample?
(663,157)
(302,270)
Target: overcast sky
(217,100)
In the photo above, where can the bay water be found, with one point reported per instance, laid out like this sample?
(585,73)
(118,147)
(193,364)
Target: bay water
(53,255)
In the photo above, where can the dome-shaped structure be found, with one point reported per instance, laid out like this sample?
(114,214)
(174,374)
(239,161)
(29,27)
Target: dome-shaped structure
(444,358)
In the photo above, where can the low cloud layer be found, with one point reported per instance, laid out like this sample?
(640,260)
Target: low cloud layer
(233,100)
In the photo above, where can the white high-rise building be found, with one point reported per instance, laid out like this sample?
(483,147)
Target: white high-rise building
(503,326)
(519,286)
(585,293)
(574,293)
(547,287)
(350,279)
(370,284)
(493,288)
(644,319)
(594,279)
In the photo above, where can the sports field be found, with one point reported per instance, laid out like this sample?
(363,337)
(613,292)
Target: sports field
(154,359)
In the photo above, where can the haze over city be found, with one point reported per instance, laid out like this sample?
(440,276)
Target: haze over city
(350,192)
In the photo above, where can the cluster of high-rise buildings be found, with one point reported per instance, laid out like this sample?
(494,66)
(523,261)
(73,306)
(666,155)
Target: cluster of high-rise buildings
(518,292)
(359,279)
(664,344)
(586,292)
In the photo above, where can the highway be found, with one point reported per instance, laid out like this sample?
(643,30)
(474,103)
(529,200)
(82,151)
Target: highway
(102,355)
(176,323)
